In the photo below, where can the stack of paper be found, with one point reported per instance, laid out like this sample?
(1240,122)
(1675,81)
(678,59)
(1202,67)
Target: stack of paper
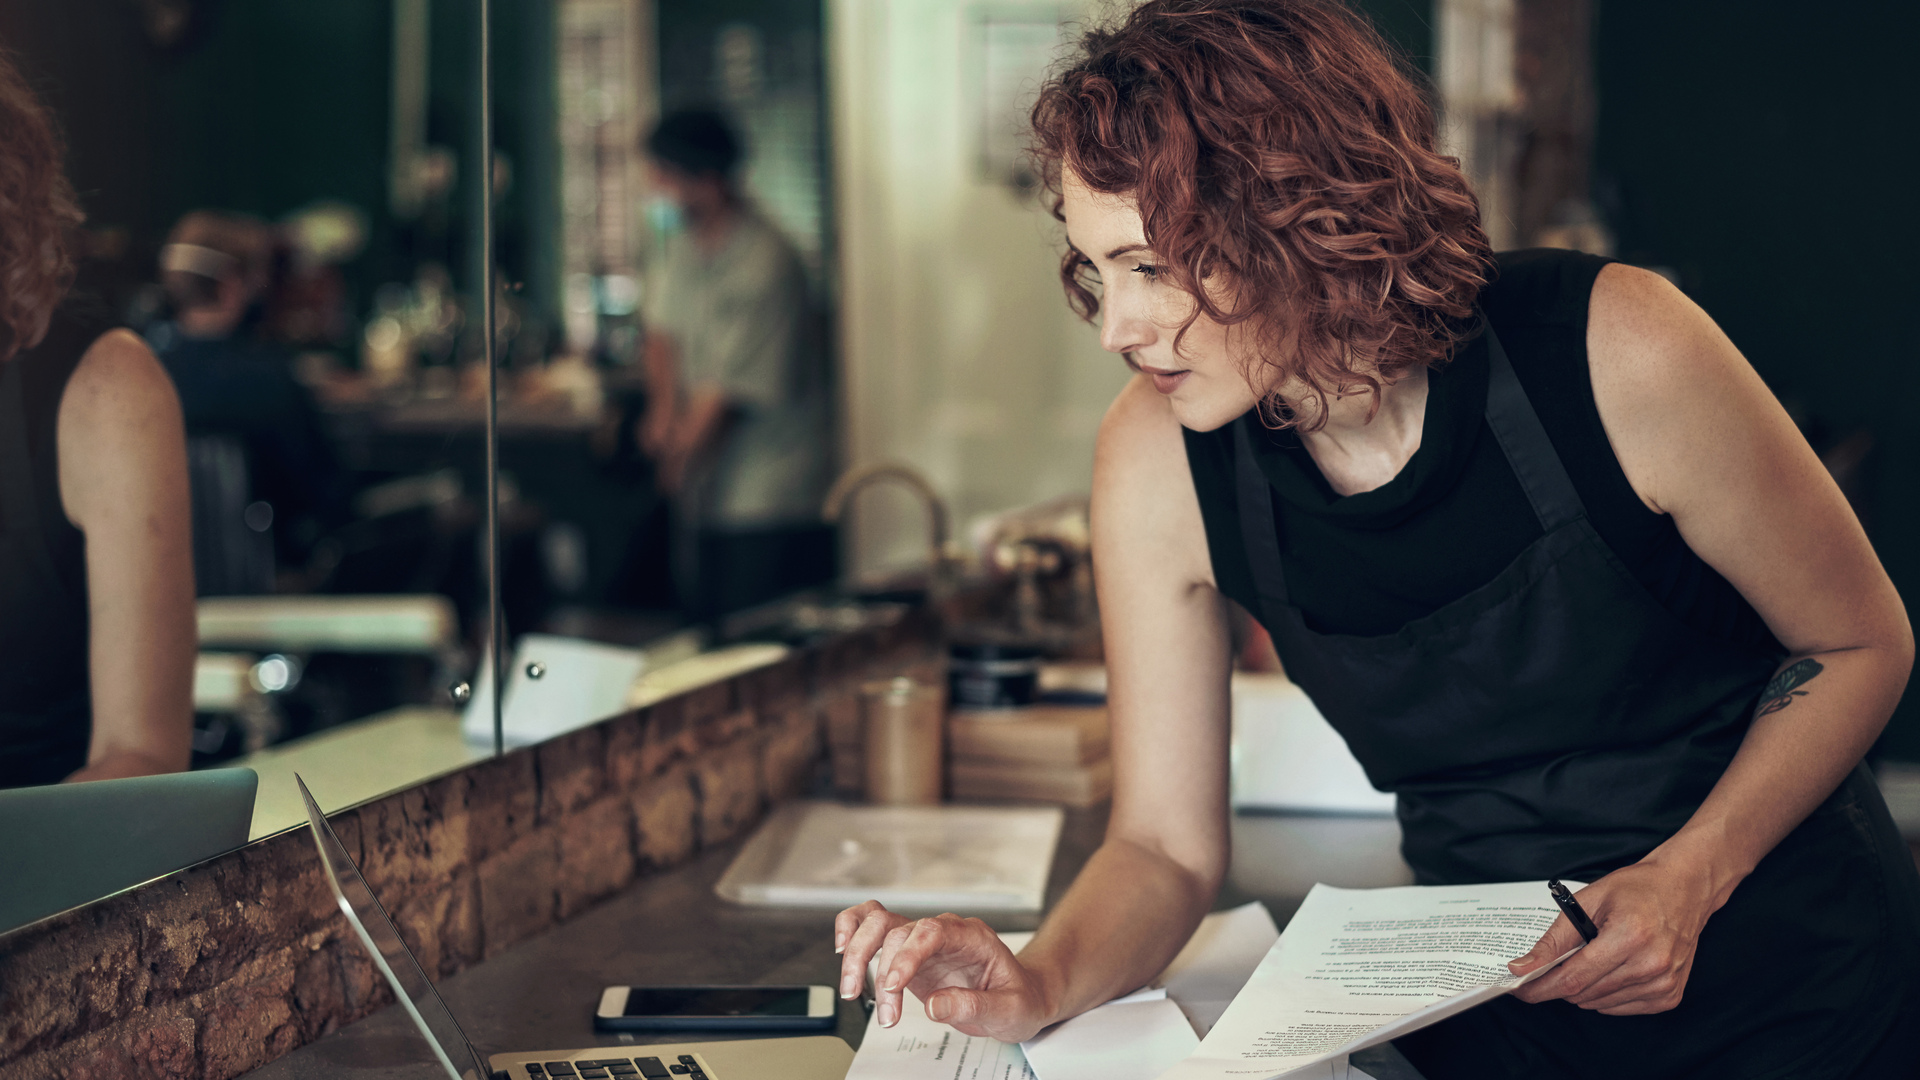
(1358,967)
(1137,1037)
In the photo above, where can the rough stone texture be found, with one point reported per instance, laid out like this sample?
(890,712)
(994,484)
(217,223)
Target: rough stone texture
(596,854)
(517,894)
(664,814)
(727,779)
(790,752)
(224,966)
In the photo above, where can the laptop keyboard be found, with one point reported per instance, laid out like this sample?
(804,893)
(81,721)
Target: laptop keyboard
(639,1068)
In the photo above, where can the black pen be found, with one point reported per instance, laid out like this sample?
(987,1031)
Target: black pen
(1576,914)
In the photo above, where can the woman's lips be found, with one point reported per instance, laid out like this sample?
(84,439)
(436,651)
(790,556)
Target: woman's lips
(1167,384)
(1164,381)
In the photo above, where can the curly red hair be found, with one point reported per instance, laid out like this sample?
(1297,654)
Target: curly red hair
(38,212)
(1277,148)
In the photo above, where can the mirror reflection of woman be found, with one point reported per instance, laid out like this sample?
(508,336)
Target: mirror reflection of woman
(97,635)
(1527,528)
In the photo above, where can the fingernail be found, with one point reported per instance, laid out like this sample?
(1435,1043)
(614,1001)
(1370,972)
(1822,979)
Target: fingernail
(937,1009)
(839,943)
(893,983)
(886,1014)
(848,988)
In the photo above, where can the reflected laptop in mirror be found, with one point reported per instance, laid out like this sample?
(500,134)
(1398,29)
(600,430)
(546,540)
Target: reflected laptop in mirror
(64,845)
(814,1057)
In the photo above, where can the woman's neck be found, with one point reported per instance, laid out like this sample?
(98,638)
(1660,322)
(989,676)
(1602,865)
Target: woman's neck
(1359,452)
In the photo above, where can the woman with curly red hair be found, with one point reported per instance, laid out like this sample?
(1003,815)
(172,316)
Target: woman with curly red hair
(1528,530)
(97,632)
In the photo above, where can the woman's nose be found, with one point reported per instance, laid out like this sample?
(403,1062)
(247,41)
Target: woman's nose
(1122,330)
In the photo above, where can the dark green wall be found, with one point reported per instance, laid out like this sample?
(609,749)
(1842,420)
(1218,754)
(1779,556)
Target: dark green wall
(1762,149)
(284,102)
(276,103)
(1408,24)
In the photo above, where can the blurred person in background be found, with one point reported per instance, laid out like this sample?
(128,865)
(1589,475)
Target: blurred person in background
(97,633)
(736,419)
(215,269)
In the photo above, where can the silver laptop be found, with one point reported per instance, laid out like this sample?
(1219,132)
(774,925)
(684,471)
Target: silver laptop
(816,1057)
(64,845)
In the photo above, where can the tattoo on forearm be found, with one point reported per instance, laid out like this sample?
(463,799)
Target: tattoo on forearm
(1782,688)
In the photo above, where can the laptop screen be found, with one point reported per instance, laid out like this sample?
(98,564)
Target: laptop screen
(390,954)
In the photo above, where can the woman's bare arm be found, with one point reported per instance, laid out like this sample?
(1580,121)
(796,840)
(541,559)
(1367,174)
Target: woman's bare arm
(123,482)
(1146,888)
(1701,438)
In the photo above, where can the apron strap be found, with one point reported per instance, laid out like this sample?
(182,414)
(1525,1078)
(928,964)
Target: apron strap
(1517,428)
(1524,441)
(1258,534)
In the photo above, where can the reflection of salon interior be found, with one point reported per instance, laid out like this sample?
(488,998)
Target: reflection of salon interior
(768,487)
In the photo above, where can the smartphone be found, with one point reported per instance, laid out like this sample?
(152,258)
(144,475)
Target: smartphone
(715,1008)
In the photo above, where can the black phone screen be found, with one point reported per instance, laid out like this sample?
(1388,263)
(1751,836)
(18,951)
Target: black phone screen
(693,1001)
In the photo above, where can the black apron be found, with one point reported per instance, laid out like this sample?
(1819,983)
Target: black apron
(46,712)
(1559,722)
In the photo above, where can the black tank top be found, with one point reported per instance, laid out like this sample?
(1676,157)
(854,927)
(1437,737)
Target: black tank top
(45,704)
(1455,516)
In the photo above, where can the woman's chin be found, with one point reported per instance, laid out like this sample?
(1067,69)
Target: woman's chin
(1207,412)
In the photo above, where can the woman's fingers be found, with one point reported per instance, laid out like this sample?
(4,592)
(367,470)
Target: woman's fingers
(1652,979)
(924,955)
(889,988)
(1559,939)
(1638,964)
(849,920)
(866,938)
(1006,1015)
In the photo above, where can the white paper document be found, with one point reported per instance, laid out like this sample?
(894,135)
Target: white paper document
(1217,961)
(1136,1037)
(917,1048)
(1357,967)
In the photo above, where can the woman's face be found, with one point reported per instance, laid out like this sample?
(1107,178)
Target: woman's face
(1206,380)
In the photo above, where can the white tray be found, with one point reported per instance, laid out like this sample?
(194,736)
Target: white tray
(910,858)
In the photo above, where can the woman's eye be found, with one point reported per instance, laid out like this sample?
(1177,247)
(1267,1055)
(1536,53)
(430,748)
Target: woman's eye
(1150,271)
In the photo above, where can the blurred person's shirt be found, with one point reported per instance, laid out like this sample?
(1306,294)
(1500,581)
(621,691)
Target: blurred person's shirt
(741,320)
(244,388)
(46,699)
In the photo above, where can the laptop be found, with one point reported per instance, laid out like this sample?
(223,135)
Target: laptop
(815,1057)
(64,845)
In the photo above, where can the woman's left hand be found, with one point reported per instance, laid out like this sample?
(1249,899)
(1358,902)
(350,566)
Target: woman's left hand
(1650,918)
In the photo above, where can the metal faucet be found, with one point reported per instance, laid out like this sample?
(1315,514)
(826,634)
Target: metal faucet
(853,480)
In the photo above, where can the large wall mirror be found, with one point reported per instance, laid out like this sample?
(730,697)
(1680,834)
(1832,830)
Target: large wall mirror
(284,200)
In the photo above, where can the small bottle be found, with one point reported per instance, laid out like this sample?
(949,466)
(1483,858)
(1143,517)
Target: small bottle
(903,722)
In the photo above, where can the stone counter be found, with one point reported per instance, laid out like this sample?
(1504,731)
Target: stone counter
(222,967)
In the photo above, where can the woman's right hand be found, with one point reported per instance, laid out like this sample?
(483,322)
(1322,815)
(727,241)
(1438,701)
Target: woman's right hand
(960,969)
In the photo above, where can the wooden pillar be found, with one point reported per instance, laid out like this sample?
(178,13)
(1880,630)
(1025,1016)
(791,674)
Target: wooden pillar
(1552,201)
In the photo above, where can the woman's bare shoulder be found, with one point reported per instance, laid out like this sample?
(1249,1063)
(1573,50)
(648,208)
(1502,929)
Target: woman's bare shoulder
(119,422)
(1139,421)
(118,379)
(1144,500)
(1673,392)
